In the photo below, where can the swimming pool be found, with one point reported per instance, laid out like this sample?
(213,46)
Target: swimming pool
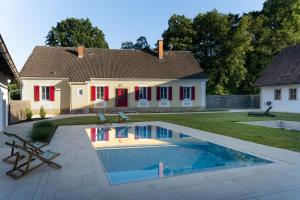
(147,152)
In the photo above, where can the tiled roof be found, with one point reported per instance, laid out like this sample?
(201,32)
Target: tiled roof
(284,70)
(63,62)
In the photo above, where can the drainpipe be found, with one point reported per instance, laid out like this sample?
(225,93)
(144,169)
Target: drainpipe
(203,93)
(70,112)
(88,96)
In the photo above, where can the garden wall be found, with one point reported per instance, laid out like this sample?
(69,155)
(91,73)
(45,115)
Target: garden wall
(232,101)
(17,110)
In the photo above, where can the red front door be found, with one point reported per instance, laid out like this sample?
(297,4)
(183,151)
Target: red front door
(121,97)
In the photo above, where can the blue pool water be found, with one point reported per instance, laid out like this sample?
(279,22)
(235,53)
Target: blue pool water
(154,152)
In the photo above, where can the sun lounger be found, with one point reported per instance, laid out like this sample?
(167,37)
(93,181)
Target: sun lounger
(33,160)
(102,118)
(15,139)
(262,114)
(123,117)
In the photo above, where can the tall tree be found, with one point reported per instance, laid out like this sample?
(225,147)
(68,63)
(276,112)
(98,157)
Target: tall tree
(283,18)
(140,44)
(220,46)
(260,56)
(180,33)
(127,45)
(74,32)
(239,45)
(274,28)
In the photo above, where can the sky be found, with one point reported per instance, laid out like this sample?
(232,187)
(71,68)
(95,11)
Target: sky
(25,24)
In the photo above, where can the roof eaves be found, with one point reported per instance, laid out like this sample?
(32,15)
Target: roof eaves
(9,60)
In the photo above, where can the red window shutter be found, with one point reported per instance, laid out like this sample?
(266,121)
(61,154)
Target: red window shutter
(52,93)
(36,93)
(181,94)
(93,134)
(93,93)
(193,93)
(157,93)
(149,93)
(137,91)
(106,93)
(170,93)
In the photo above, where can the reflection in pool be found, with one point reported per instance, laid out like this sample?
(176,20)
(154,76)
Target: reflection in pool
(146,152)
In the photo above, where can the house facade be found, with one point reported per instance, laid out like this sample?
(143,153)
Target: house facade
(8,72)
(81,80)
(280,82)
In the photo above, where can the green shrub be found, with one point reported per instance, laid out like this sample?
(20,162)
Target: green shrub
(28,113)
(15,95)
(42,112)
(43,131)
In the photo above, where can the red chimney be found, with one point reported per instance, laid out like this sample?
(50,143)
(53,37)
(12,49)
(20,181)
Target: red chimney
(160,49)
(80,51)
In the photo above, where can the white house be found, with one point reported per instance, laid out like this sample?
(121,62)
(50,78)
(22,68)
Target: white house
(8,71)
(280,82)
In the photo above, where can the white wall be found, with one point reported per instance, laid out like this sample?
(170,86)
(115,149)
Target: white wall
(3,107)
(283,105)
(62,95)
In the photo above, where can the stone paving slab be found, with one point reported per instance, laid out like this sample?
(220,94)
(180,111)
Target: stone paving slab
(83,177)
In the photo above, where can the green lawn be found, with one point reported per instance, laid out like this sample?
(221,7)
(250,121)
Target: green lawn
(220,123)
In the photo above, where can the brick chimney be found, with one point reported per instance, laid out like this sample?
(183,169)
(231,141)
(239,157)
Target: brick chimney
(80,51)
(160,49)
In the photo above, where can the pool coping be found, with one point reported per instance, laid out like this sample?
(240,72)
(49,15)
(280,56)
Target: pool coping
(276,124)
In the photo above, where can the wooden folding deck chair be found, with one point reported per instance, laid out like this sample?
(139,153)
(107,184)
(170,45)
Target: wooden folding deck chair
(34,160)
(102,118)
(36,146)
(123,117)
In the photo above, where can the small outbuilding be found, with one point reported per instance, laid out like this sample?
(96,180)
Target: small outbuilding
(280,82)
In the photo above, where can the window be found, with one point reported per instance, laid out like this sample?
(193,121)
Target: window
(187,93)
(143,93)
(45,93)
(164,93)
(293,94)
(277,94)
(79,92)
(100,93)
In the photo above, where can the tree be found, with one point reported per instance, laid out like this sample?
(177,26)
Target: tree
(239,46)
(274,28)
(283,18)
(220,46)
(140,44)
(73,32)
(127,45)
(180,33)
(260,56)
(14,91)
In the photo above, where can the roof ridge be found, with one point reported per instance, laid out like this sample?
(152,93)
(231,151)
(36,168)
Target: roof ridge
(106,49)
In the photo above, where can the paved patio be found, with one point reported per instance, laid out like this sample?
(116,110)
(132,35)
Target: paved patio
(82,176)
